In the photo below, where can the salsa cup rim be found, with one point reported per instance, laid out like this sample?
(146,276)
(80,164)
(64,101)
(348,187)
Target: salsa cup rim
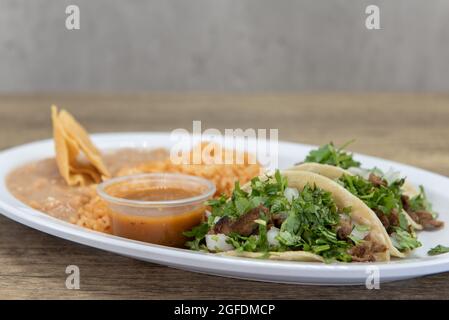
(207,194)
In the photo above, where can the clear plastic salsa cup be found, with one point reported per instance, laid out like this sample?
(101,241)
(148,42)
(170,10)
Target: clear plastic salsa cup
(156,207)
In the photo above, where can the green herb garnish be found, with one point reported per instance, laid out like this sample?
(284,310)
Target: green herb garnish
(439,249)
(403,222)
(198,233)
(380,198)
(420,202)
(311,224)
(329,154)
(383,200)
(404,240)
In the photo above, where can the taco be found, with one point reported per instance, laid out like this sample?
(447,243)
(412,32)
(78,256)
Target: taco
(414,201)
(329,155)
(296,216)
(335,173)
(397,203)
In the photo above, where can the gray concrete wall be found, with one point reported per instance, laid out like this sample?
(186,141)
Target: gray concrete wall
(224,45)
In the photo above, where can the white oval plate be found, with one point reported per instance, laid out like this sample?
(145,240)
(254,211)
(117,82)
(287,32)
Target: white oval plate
(418,264)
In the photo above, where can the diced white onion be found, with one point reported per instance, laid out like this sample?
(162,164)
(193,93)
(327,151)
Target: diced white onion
(218,242)
(359,232)
(208,213)
(392,175)
(364,173)
(291,193)
(271,236)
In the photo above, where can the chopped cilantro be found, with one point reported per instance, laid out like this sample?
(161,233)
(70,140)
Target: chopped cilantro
(403,222)
(384,199)
(329,154)
(289,240)
(242,205)
(241,243)
(311,224)
(404,240)
(198,233)
(439,249)
(420,202)
(380,198)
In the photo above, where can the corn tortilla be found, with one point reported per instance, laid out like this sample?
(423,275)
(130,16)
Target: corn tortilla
(71,139)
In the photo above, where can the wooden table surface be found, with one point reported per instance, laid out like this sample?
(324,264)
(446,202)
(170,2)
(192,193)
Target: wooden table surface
(412,129)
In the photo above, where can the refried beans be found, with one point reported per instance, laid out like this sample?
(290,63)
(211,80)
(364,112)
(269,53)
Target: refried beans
(39,185)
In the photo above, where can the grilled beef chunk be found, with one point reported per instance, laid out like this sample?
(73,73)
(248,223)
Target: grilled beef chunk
(244,225)
(388,220)
(278,218)
(366,251)
(223,226)
(377,181)
(427,220)
(405,202)
(384,219)
(422,217)
(361,253)
(393,218)
(344,230)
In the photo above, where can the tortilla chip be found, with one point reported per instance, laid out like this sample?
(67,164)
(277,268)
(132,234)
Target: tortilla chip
(88,170)
(71,139)
(64,153)
(81,137)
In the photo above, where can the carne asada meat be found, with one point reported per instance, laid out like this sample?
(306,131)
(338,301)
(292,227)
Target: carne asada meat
(406,202)
(344,230)
(383,218)
(244,225)
(422,217)
(388,220)
(366,251)
(223,226)
(377,181)
(427,220)
(278,219)
(393,218)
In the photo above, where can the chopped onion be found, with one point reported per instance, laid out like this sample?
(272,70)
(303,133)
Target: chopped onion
(291,193)
(271,236)
(218,242)
(360,232)
(391,176)
(364,173)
